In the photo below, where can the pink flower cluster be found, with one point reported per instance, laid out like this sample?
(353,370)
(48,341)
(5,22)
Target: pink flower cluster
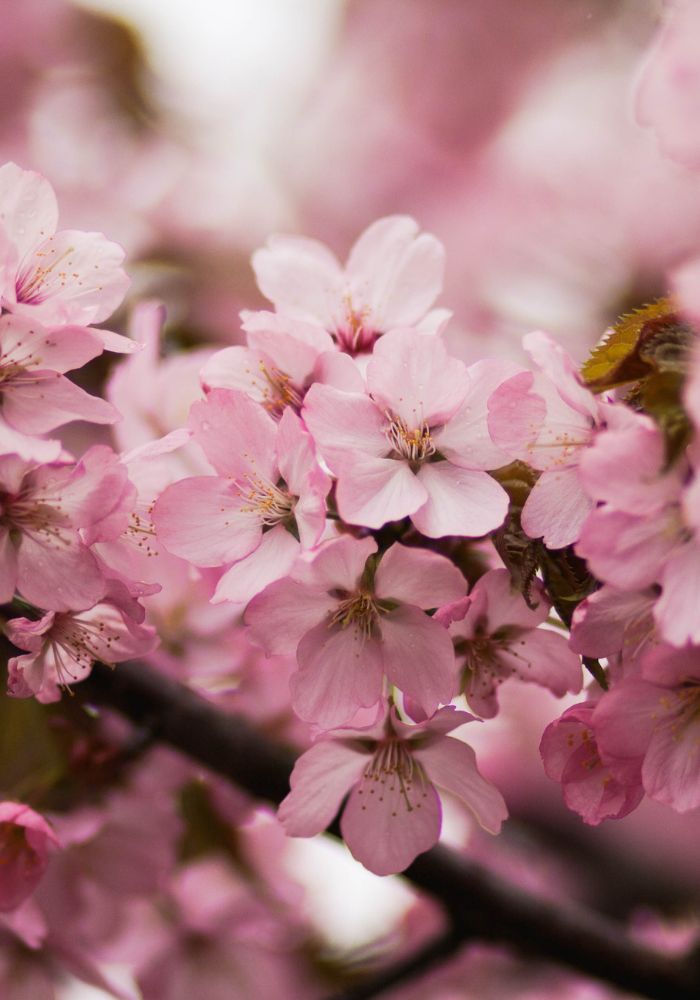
(313,498)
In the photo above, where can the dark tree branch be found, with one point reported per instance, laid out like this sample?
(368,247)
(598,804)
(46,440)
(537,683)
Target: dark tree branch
(480,903)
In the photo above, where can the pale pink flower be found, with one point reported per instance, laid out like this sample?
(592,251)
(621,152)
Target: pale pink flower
(393,812)
(572,757)
(668,90)
(267,502)
(34,395)
(352,623)
(63,648)
(42,510)
(651,718)
(496,636)
(57,277)
(284,357)
(417,445)
(547,419)
(26,840)
(392,277)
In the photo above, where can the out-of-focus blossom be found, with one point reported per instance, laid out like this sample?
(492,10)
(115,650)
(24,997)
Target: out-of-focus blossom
(26,840)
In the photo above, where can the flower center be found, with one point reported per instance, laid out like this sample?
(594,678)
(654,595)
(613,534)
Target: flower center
(360,610)
(268,503)
(280,392)
(393,768)
(414,444)
(83,641)
(31,282)
(354,334)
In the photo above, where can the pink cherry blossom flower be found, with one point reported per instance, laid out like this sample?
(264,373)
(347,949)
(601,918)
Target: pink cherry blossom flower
(34,395)
(497,636)
(283,358)
(56,277)
(26,840)
(572,757)
(393,812)
(547,419)
(267,502)
(651,718)
(417,445)
(352,623)
(392,278)
(42,509)
(63,647)
(612,621)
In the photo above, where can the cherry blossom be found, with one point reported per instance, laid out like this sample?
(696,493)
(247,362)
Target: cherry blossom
(62,648)
(266,503)
(26,840)
(393,811)
(57,277)
(392,277)
(353,622)
(417,445)
(590,786)
(496,635)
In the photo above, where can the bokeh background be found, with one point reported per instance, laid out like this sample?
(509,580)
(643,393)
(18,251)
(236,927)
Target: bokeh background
(189,132)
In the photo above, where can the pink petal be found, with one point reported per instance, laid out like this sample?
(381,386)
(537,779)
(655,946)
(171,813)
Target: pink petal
(451,764)
(339,563)
(542,656)
(8,566)
(372,491)
(460,502)
(27,343)
(412,376)
(388,822)
(340,671)
(601,620)
(505,605)
(556,509)
(516,415)
(284,612)
(241,369)
(558,366)
(40,402)
(625,550)
(319,782)
(199,519)
(272,559)
(676,611)
(72,277)
(300,275)
(465,440)
(28,448)
(58,577)
(418,576)
(28,207)
(398,273)
(235,434)
(344,424)
(418,656)
(671,768)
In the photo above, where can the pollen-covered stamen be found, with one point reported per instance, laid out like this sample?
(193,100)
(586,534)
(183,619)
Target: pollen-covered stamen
(361,610)
(16,360)
(82,641)
(412,443)
(27,513)
(270,504)
(392,769)
(686,702)
(140,531)
(31,281)
(354,334)
(280,392)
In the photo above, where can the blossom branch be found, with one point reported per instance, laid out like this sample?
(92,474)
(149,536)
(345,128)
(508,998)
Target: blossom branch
(480,903)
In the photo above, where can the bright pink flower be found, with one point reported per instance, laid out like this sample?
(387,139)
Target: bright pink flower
(34,395)
(572,757)
(57,277)
(547,419)
(668,92)
(352,623)
(42,510)
(25,842)
(417,445)
(267,502)
(63,648)
(392,278)
(652,718)
(496,635)
(283,358)
(393,812)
